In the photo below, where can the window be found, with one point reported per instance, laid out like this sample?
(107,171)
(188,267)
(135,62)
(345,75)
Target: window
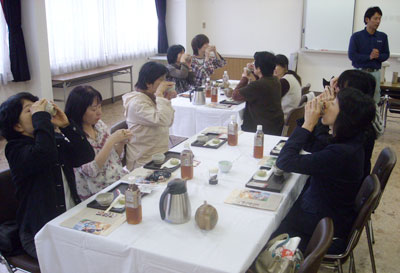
(5,70)
(91,33)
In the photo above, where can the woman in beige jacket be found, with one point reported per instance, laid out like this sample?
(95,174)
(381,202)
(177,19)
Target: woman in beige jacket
(149,114)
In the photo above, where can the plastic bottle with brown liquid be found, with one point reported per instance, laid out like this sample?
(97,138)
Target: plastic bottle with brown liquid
(133,205)
(233,132)
(208,88)
(187,163)
(214,94)
(259,143)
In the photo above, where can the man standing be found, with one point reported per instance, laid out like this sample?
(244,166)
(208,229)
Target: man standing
(369,48)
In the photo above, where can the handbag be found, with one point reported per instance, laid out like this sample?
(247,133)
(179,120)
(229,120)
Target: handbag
(281,255)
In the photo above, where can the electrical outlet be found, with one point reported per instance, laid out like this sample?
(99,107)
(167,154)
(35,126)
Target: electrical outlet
(203,24)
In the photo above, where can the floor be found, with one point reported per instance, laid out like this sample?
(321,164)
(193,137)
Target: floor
(386,220)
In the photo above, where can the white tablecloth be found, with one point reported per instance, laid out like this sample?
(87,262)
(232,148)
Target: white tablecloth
(157,246)
(191,119)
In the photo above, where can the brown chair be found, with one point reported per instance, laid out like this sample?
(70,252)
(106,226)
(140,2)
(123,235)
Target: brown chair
(382,169)
(8,211)
(319,243)
(120,125)
(364,204)
(290,122)
(305,89)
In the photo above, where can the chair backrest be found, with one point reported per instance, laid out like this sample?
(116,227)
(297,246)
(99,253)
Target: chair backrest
(364,204)
(383,168)
(8,201)
(317,247)
(305,89)
(290,122)
(119,125)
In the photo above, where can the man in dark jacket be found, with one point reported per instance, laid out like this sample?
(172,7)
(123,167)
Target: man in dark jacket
(263,96)
(42,151)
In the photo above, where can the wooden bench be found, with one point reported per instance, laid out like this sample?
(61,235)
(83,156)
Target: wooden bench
(84,76)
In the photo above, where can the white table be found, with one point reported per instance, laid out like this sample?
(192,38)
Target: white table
(157,246)
(191,119)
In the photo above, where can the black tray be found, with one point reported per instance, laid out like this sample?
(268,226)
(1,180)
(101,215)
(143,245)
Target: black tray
(210,136)
(274,183)
(122,188)
(232,102)
(276,151)
(152,166)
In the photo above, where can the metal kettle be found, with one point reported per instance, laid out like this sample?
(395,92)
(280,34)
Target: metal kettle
(174,203)
(199,98)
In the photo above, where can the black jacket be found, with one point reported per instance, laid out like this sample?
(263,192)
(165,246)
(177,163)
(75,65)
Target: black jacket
(336,173)
(35,165)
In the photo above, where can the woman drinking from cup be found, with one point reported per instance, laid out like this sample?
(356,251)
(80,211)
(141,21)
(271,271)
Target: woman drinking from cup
(336,170)
(149,114)
(205,59)
(84,108)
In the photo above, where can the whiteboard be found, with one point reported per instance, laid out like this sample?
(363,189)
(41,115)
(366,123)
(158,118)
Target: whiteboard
(328,24)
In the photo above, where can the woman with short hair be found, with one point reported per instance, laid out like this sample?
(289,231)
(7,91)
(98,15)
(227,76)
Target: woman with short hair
(205,59)
(84,108)
(149,114)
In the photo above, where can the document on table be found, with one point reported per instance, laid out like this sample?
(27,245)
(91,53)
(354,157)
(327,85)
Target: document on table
(254,199)
(95,221)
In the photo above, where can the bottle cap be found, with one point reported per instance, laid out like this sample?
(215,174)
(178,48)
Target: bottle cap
(259,127)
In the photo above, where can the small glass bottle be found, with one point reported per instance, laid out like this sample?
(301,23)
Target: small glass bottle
(225,79)
(259,143)
(208,88)
(214,94)
(133,205)
(233,132)
(187,163)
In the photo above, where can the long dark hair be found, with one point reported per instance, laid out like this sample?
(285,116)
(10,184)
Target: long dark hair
(80,98)
(356,112)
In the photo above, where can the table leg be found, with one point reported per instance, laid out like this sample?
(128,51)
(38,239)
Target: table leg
(130,74)
(112,87)
(65,92)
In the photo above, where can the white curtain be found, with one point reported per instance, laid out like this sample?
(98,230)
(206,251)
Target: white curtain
(91,33)
(5,70)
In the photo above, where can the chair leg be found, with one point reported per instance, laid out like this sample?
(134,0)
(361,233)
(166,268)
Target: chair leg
(4,261)
(352,265)
(371,250)
(371,231)
(339,266)
(386,109)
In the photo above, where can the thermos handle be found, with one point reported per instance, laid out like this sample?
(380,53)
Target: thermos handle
(162,209)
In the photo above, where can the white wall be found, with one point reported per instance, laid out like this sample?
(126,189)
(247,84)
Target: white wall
(240,27)
(176,22)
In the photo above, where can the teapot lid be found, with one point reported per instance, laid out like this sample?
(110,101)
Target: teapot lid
(177,186)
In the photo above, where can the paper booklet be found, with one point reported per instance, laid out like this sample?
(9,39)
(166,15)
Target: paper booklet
(254,199)
(95,221)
